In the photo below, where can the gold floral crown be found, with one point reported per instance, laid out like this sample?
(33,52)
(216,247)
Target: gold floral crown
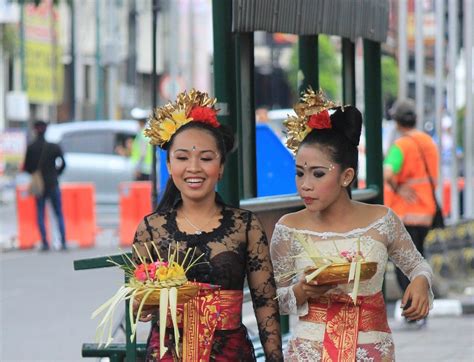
(311,113)
(166,120)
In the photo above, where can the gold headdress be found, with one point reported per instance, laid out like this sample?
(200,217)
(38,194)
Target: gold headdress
(311,112)
(166,120)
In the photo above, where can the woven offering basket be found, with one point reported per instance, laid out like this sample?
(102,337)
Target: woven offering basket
(338,273)
(185,292)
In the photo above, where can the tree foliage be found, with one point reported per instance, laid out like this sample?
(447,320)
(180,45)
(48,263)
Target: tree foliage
(329,68)
(461,118)
(9,39)
(330,71)
(389,78)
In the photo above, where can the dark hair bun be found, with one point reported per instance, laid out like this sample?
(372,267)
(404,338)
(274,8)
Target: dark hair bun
(348,120)
(228,137)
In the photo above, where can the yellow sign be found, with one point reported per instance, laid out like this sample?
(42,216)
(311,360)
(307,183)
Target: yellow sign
(44,75)
(43,67)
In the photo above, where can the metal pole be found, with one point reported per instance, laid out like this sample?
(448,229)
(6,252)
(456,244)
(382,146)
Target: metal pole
(348,72)
(79,70)
(373,117)
(246,113)
(402,49)
(469,115)
(130,346)
(453,49)
(112,66)
(22,45)
(439,89)
(99,107)
(192,44)
(308,61)
(225,91)
(72,66)
(132,45)
(154,99)
(2,84)
(174,48)
(419,65)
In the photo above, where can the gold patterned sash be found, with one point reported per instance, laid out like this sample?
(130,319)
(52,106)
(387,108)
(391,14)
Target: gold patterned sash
(344,320)
(212,309)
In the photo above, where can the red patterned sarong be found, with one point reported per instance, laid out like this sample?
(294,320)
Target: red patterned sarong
(344,320)
(212,309)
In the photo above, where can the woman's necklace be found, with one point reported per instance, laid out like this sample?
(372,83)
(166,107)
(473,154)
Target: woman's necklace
(199,230)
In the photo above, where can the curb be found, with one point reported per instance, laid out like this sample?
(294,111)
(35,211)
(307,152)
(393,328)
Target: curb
(467,305)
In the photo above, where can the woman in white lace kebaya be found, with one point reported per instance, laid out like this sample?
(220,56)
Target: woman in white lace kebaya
(330,326)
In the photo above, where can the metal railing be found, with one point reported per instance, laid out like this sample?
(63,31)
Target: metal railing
(271,203)
(115,351)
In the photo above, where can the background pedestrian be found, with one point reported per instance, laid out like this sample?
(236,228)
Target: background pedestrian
(49,160)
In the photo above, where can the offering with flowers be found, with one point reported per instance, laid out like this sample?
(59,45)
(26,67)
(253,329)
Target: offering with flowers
(155,282)
(342,268)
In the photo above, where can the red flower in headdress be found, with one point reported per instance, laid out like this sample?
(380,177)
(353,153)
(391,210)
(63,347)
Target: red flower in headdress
(320,120)
(204,115)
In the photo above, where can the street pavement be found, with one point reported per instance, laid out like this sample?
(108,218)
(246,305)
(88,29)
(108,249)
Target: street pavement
(45,306)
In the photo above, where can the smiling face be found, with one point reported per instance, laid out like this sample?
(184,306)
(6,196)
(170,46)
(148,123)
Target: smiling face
(195,164)
(319,180)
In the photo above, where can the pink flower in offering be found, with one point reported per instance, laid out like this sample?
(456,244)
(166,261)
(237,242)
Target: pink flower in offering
(142,270)
(345,254)
(350,255)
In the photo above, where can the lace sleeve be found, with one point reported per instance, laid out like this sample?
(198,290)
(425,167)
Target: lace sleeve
(284,262)
(263,290)
(141,238)
(403,252)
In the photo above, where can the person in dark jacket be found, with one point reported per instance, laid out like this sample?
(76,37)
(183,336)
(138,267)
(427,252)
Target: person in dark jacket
(45,156)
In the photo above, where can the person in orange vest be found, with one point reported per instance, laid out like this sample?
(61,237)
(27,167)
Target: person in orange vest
(408,166)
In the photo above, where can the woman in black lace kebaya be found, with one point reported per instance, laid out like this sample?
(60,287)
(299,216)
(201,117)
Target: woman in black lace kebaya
(192,214)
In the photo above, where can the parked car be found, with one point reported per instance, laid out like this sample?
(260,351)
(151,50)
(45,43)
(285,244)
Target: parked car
(94,152)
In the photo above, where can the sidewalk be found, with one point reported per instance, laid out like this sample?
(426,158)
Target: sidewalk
(443,339)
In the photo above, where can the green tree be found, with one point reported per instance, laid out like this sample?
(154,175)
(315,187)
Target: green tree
(389,78)
(330,71)
(461,117)
(9,39)
(329,68)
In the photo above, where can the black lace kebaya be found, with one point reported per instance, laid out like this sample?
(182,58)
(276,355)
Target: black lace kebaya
(236,249)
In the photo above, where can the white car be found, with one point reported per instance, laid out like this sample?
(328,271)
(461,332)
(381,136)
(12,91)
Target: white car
(92,150)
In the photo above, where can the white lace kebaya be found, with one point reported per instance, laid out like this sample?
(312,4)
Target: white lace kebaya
(384,238)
